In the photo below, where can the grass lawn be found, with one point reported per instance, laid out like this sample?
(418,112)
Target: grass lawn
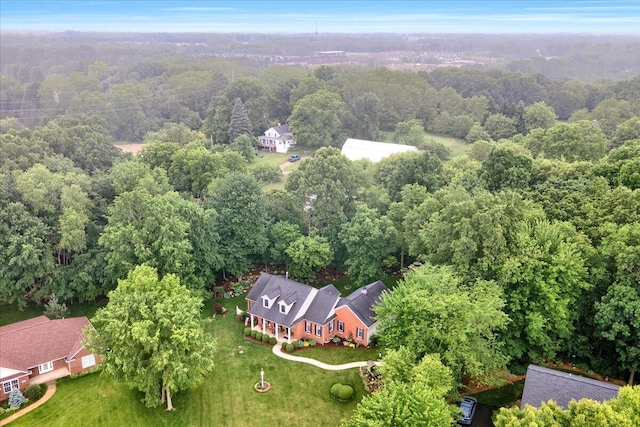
(456,145)
(299,394)
(11,314)
(502,396)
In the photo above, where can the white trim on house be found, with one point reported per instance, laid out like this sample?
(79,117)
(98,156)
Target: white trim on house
(7,386)
(359,333)
(340,326)
(45,367)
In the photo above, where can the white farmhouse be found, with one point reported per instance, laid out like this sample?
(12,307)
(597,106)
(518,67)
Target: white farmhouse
(278,139)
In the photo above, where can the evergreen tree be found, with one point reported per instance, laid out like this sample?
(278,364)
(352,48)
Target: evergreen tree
(240,123)
(54,310)
(16,399)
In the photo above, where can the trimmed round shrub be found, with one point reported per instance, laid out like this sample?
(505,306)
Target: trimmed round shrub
(299,344)
(272,340)
(254,333)
(335,389)
(265,338)
(342,392)
(288,347)
(259,336)
(246,331)
(346,392)
(33,392)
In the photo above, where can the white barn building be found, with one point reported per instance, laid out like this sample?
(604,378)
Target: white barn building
(356,149)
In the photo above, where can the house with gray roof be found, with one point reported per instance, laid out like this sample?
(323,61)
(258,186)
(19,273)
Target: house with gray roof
(278,138)
(544,384)
(287,309)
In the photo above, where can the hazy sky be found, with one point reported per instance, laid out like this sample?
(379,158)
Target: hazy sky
(302,16)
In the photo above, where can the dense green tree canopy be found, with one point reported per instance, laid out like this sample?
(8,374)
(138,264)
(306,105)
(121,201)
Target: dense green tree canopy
(150,336)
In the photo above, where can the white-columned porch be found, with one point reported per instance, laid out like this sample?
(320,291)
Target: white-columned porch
(281,332)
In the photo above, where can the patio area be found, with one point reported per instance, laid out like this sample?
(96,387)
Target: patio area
(50,376)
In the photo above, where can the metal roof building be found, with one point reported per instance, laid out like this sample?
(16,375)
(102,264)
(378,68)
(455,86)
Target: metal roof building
(357,149)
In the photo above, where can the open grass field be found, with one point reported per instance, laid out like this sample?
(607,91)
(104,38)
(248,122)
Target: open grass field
(299,394)
(457,145)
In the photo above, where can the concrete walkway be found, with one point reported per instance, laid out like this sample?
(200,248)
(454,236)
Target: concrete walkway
(277,350)
(51,389)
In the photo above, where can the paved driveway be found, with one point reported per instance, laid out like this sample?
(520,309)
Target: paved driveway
(483,416)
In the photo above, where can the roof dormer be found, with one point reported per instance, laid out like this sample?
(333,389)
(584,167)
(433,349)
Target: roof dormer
(269,298)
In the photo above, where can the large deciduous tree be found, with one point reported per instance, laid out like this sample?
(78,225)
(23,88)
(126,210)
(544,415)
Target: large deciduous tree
(433,311)
(369,238)
(316,118)
(147,229)
(242,221)
(151,336)
(327,183)
(543,274)
(308,255)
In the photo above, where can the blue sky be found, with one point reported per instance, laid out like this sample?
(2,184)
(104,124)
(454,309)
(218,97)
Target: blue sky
(542,16)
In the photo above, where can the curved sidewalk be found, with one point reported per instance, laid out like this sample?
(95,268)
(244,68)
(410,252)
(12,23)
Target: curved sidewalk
(51,389)
(277,350)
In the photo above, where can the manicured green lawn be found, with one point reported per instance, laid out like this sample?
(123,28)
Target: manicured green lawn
(299,394)
(334,355)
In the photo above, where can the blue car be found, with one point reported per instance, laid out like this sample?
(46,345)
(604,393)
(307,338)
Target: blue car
(468,409)
(294,158)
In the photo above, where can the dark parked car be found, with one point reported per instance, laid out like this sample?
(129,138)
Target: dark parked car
(294,158)
(468,409)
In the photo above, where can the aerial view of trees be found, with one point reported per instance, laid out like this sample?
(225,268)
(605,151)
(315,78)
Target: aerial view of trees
(523,242)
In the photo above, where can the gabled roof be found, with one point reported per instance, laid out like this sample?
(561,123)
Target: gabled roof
(27,344)
(543,384)
(282,131)
(361,301)
(308,302)
(357,149)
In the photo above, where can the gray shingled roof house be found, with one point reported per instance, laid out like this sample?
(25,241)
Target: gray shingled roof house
(288,309)
(543,384)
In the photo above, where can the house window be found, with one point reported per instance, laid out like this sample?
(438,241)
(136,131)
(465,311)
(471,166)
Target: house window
(331,327)
(283,309)
(10,385)
(318,330)
(45,367)
(307,327)
(359,333)
(340,326)
(265,303)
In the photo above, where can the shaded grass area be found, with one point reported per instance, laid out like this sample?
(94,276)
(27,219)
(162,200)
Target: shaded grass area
(457,145)
(299,393)
(502,396)
(11,313)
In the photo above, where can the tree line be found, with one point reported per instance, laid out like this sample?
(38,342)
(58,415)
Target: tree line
(538,220)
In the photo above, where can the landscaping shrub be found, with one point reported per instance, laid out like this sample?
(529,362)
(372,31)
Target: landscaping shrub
(254,333)
(312,343)
(246,331)
(288,348)
(272,340)
(346,392)
(259,336)
(265,338)
(2,411)
(334,390)
(518,369)
(342,392)
(16,399)
(34,391)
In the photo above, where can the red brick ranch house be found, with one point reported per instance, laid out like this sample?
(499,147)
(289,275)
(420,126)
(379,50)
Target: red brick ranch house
(290,310)
(39,350)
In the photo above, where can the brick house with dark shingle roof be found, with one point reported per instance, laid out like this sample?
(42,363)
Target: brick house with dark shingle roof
(543,384)
(38,350)
(287,309)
